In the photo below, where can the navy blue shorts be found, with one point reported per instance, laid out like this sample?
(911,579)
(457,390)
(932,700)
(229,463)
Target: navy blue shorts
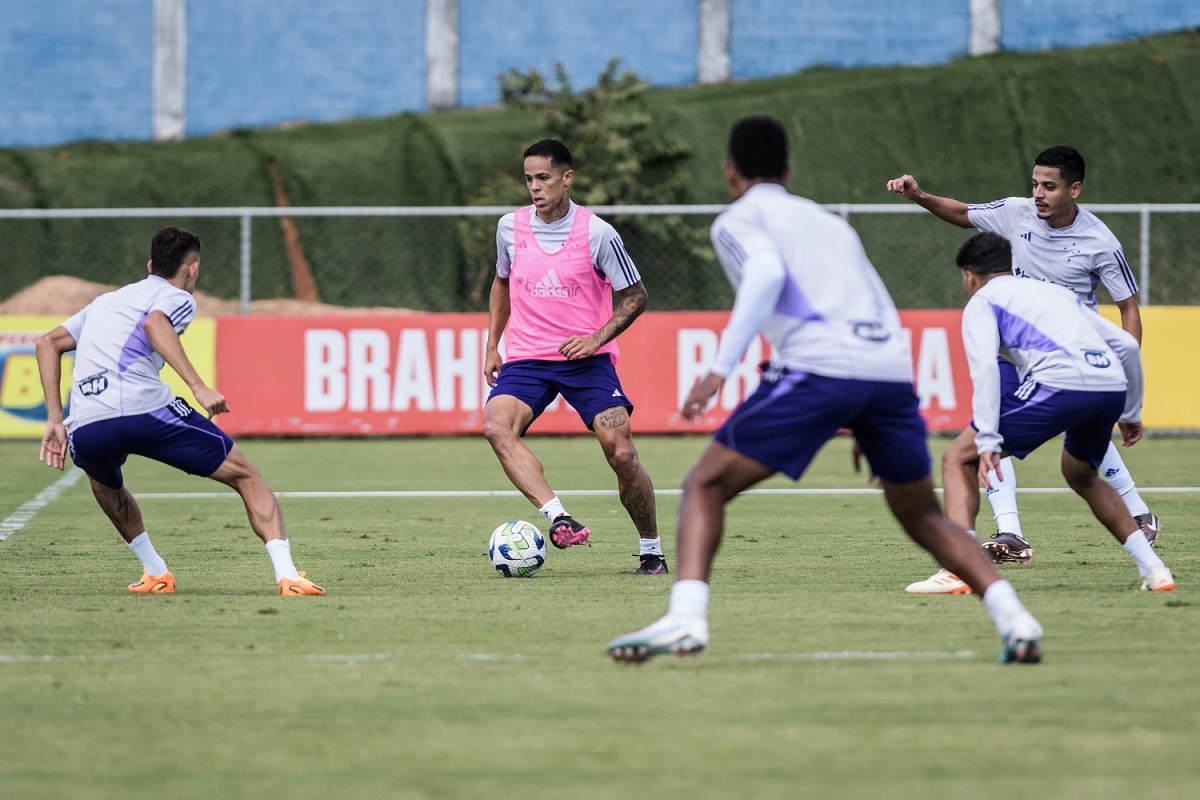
(589,384)
(793,414)
(1010,380)
(176,435)
(1033,415)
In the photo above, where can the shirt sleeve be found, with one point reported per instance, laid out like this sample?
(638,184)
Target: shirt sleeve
(1116,275)
(178,305)
(736,238)
(981,340)
(755,269)
(504,244)
(74,323)
(609,255)
(763,278)
(1130,354)
(996,216)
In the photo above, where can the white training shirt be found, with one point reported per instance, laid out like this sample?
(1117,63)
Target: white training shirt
(804,281)
(116,369)
(1078,257)
(1051,338)
(608,251)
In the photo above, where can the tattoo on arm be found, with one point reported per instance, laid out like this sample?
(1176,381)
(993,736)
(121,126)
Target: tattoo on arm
(630,307)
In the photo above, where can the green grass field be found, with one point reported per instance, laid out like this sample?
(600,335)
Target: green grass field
(422,674)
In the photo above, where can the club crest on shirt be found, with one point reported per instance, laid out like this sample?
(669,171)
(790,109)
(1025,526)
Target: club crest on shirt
(93,385)
(1097,358)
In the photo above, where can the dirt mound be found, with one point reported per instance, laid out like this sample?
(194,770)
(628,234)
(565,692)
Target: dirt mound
(62,296)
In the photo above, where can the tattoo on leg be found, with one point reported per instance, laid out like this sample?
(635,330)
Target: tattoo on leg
(614,418)
(639,503)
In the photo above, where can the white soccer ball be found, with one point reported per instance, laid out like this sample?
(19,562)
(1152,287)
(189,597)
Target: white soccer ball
(517,549)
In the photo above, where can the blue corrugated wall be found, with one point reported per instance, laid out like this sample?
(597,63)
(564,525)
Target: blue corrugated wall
(78,69)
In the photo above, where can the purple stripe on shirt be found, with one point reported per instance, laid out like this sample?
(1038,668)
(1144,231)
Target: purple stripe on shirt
(136,346)
(793,303)
(1018,334)
(732,246)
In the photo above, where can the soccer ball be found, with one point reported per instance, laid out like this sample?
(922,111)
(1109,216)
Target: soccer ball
(517,549)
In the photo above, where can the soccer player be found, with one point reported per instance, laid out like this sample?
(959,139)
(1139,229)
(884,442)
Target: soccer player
(119,407)
(839,361)
(1080,375)
(1055,241)
(557,265)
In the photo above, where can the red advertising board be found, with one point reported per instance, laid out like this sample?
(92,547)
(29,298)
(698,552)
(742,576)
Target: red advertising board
(423,373)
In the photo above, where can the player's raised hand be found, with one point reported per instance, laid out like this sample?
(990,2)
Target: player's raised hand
(905,185)
(54,446)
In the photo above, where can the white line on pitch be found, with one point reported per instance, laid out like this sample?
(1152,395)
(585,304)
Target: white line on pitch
(850,655)
(596,493)
(20,658)
(25,658)
(20,518)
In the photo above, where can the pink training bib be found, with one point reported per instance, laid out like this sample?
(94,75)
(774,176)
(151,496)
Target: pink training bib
(554,296)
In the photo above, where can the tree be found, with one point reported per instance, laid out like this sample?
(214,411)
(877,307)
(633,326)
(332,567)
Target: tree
(622,158)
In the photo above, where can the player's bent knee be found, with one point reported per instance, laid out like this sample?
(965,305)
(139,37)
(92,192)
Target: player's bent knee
(236,468)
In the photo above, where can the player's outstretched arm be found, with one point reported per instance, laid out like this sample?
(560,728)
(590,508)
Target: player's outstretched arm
(945,208)
(632,303)
(49,349)
(165,341)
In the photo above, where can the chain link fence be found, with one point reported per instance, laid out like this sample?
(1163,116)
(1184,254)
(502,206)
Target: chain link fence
(442,258)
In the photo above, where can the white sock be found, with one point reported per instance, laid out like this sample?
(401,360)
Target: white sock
(1113,470)
(689,599)
(553,509)
(280,551)
(974,535)
(651,546)
(1002,604)
(152,562)
(1143,554)
(1003,498)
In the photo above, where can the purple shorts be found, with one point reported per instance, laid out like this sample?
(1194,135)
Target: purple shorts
(590,385)
(175,435)
(793,414)
(1032,415)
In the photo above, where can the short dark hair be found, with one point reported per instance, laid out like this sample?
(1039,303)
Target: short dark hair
(170,249)
(556,151)
(1066,159)
(984,254)
(758,148)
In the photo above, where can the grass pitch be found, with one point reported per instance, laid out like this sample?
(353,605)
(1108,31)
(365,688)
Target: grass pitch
(424,675)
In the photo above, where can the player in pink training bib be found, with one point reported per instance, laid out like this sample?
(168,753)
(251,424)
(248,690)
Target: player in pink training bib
(557,266)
